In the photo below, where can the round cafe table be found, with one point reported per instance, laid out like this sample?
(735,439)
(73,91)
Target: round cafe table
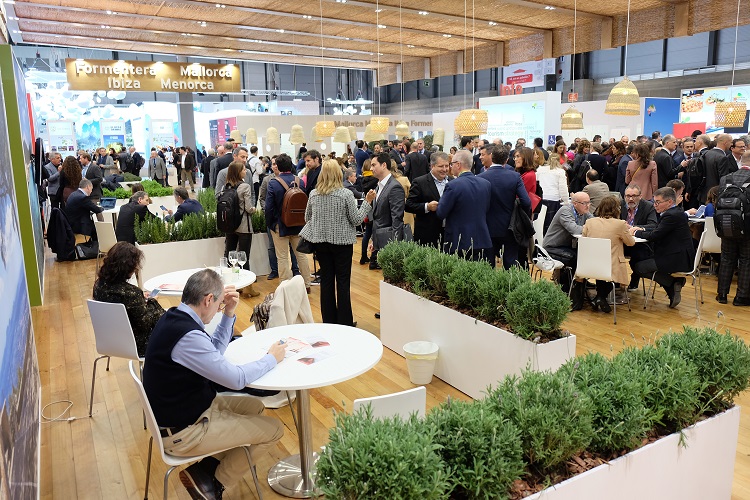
(333,354)
(173,283)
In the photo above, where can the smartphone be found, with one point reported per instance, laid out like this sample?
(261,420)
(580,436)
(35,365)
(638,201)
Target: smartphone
(154,293)
(164,208)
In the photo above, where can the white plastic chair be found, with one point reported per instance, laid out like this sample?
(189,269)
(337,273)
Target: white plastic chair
(113,334)
(538,224)
(105,232)
(171,460)
(593,262)
(400,403)
(712,244)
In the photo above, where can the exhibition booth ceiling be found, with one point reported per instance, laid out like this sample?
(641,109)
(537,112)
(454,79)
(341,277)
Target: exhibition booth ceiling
(436,38)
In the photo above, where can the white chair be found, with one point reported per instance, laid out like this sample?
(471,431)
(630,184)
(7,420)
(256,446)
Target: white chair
(105,232)
(593,262)
(400,403)
(171,460)
(544,262)
(113,334)
(538,224)
(712,244)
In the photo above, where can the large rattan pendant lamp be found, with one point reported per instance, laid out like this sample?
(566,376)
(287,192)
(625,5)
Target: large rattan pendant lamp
(732,112)
(378,124)
(623,98)
(323,128)
(572,119)
(471,121)
(297,135)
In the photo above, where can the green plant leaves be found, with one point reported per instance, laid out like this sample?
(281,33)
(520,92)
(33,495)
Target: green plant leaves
(191,227)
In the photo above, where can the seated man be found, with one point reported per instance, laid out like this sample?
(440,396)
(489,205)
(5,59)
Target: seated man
(79,208)
(182,361)
(673,246)
(185,205)
(595,188)
(559,241)
(137,207)
(637,212)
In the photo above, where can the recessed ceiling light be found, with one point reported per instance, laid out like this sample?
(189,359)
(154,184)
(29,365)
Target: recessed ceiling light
(423,12)
(493,23)
(306,17)
(378,10)
(410,46)
(279,31)
(446,35)
(382,26)
(105,27)
(549,7)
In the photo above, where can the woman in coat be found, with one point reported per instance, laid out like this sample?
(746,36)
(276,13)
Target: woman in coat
(70,177)
(642,171)
(242,238)
(331,219)
(368,182)
(607,224)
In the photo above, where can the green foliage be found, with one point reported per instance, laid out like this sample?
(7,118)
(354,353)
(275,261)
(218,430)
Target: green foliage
(131,177)
(536,307)
(119,193)
(152,188)
(415,270)
(383,459)
(439,267)
(554,417)
(481,450)
(721,360)
(191,227)
(620,416)
(392,257)
(494,288)
(671,385)
(258,220)
(207,198)
(153,230)
(462,289)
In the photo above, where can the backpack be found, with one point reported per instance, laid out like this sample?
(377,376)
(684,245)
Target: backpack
(228,214)
(141,162)
(294,204)
(696,169)
(129,164)
(732,215)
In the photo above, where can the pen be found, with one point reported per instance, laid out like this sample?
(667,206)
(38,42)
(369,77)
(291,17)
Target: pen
(282,342)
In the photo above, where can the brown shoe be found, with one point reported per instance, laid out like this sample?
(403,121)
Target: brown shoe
(251,291)
(308,290)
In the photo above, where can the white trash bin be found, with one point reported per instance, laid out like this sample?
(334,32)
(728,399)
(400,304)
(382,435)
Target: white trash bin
(420,360)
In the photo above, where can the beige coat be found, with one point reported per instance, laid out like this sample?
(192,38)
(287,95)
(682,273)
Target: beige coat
(646,178)
(615,230)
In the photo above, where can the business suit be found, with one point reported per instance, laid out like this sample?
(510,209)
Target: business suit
(599,163)
(138,161)
(206,170)
(223,161)
(78,209)
(96,176)
(506,186)
(597,191)
(417,165)
(717,165)
(558,240)
(665,166)
(645,217)
(360,156)
(428,228)
(187,171)
(125,230)
(157,170)
(620,185)
(465,206)
(388,215)
(396,156)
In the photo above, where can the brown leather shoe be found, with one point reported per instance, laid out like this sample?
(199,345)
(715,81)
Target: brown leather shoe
(198,482)
(308,290)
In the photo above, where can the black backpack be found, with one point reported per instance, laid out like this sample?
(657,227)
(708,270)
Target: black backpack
(696,169)
(228,214)
(129,164)
(732,215)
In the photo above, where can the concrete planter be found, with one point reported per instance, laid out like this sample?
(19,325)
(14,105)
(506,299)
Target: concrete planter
(473,354)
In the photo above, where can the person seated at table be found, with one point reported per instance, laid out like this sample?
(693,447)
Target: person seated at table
(123,261)
(182,362)
(637,212)
(673,248)
(185,205)
(595,188)
(136,207)
(79,208)
(607,224)
(560,237)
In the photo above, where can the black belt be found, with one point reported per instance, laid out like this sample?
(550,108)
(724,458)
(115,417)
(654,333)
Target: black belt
(170,431)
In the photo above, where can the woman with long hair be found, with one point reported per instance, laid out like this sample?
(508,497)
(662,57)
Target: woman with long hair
(554,185)
(577,171)
(242,238)
(368,182)
(642,171)
(524,162)
(331,218)
(123,261)
(70,176)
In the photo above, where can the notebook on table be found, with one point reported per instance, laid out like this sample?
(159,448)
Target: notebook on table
(108,203)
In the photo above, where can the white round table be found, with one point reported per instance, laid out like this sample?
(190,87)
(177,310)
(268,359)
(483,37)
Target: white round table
(173,283)
(349,352)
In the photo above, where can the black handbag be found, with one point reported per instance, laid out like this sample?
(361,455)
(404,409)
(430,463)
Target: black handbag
(304,246)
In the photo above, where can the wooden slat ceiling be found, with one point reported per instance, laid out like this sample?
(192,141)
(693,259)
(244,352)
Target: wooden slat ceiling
(437,35)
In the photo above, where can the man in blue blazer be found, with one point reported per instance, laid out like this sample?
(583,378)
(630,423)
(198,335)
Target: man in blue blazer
(361,155)
(464,206)
(506,187)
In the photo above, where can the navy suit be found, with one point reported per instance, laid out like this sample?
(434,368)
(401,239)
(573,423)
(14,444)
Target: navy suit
(464,206)
(360,156)
(417,165)
(78,209)
(506,186)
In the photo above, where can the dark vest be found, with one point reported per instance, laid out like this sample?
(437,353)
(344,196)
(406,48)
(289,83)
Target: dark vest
(177,395)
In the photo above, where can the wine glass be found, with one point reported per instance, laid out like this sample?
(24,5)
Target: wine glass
(241,258)
(233,259)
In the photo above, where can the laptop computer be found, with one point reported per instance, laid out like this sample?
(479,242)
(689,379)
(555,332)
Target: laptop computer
(700,212)
(108,203)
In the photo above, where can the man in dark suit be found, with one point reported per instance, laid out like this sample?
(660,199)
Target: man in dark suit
(94,174)
(735,251)
(717,164)
(137,207)
(599,163)
(622,167)
(395,155)
(388,208)
(361,155)
(417,164)
(465,206)
(223,162)
(673,245)
(424,195)
(185,205)
(206,167)
(138,161)
(665,165)
(79,208)
(506,187)
(637,212)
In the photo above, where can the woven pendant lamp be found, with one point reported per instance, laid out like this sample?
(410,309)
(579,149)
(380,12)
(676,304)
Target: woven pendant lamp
(623,99)
(438,137)
(572,119)
(352,133)
(730,114)
(297,135)
(471,122)
(272,136)
(251,136)
(235,134)
(314,137)
(341,135)
(370,136)
(325,128)
(402,130)
(380,124)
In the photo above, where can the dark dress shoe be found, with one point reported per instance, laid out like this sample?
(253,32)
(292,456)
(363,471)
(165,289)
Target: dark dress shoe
(675,298)
(198,482)
(721,299)
(741,301)
(363,261)
(374,266)
(377,315)
(602,303)
(272,276)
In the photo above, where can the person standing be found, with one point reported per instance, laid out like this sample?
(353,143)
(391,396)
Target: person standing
(361,155)
(242,238)
(272,261)
(333,239)
(642,171)
(423,199)
(187,160)
(254,169)
(92,172)
(157,170)
(52,171)
(387,209)
(206,167)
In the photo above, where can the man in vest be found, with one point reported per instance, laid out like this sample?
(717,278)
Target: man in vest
(183,363)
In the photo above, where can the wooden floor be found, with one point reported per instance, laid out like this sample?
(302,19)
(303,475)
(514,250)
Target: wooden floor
(105,456)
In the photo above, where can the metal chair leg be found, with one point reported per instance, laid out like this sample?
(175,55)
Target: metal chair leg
(253,471)
(651,290)
(166,481)
(93,383)
(614,302)
(140,365)
(108,360)
(148,466)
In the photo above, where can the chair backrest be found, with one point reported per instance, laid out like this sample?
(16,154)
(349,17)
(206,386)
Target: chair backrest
(712,244)
(594,258)
(539,226)
(290,304)
(105,232)
(400,403)
(151,424)
(699,253)
(114,336)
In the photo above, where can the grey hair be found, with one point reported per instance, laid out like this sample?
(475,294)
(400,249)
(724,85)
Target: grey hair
(438,156)
(666,193)
(635,186)
(138,195)
(228,146)
(349,172)
(85,183)
(211,152)
(706,140)
(464,158)
(201,284)
(238,149)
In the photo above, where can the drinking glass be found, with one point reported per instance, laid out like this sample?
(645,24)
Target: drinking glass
(241,258)
(233,259)
(223,266)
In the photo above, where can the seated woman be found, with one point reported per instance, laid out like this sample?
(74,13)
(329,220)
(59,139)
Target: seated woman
(122,261)
(607,224)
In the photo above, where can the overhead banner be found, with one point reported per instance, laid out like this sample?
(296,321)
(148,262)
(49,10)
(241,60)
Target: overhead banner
(162,133)
(699,106)
(62,135)
(529,74)
(150,76)
(113,133)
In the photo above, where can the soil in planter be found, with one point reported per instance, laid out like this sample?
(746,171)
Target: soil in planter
(443,301)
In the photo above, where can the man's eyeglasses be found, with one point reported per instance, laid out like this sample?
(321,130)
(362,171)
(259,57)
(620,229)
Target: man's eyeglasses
(659,202)
(453,163)
(631,196)
(584,203)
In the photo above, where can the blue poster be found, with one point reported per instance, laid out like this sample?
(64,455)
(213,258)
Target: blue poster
(660,114)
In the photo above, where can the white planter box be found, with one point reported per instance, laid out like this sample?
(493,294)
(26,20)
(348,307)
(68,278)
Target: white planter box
(702,469)
(259,255)
(473,355)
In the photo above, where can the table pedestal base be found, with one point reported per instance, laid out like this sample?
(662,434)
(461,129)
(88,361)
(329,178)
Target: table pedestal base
(285,478)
